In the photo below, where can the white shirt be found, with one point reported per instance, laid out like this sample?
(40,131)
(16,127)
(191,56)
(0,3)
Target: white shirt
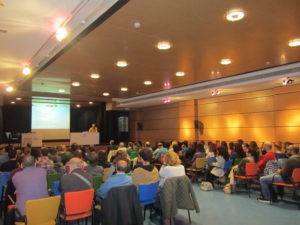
(170,171)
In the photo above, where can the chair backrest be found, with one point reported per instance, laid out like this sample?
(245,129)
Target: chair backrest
(50,179)
(4,177)
(251,169)
(79,202)
(148,193)
(228,165)
(296,176)
(133,154)
(55,188)
(42,211)
(200,163)
(97,181)
(237,161)
(105,173)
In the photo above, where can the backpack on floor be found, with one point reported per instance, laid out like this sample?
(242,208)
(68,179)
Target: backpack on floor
(206,186)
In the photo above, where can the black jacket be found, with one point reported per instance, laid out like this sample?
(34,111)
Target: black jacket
(121,207)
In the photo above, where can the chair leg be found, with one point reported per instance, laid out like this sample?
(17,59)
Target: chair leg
(189,216)
(144,212)
(150,216)
(249,188)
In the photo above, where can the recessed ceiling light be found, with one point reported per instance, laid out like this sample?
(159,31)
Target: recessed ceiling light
(18,99)
(122,63)
(148,82)
(124,89)
(137,25)
(225,61)
(9,89)
(61,33)
(91,103)
(12,102)
(294,42)
(105,94)
(163,45)
(180,74)
(77,105)
(26,70)
(95,76)
(61,90)
(76,84)
(235,15)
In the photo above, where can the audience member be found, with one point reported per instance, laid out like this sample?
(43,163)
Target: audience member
(282,176)
(12,163)
(120,179)
(146,173)
(44,162)
(267,157)
(93,168)
(171,168)
(3,155)
(30,183)
(160,151)
(102,159)
(75,179)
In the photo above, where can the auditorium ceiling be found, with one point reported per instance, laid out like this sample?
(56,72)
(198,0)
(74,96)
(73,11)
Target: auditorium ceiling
(197,31)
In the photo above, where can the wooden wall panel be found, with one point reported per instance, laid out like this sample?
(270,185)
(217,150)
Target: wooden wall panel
(268,115)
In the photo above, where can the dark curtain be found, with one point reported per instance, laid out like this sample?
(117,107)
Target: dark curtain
(16,119)
(113,127)
(82,118)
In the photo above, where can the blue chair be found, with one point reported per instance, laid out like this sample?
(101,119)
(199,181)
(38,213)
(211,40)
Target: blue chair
(227,166)
(55,188)
(147,195)
(4,177)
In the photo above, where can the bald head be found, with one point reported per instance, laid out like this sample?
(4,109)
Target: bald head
(28,161)
(75,163)
(122,166)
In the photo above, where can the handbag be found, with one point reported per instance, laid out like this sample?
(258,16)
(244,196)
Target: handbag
(206,186)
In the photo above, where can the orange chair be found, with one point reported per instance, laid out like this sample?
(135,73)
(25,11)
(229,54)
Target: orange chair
(78,205)
(251,173)
(162,161)
(295,183)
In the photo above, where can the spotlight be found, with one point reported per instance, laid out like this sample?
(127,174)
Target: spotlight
(9,89)
(287,81)
(61,33)
(26,70)
(215,92)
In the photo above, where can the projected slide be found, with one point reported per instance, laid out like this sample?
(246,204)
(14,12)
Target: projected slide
(53,115)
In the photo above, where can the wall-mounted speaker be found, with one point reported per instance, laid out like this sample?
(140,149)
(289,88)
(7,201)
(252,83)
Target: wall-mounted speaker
(139,126)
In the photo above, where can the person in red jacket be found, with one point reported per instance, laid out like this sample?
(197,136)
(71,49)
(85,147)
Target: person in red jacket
(270,155)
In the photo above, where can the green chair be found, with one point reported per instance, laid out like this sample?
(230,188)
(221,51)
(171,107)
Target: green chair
(133,154)
(97,181)
(237,161)
(51,178)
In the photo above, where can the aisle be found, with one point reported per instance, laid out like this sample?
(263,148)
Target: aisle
(217,208)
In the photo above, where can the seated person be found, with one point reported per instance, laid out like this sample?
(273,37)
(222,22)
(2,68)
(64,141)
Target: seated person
(171,168)
(75,179)
(267,157)
(30,183)
(119,155)
(122,147)
(93,169)
(200,153)
(216,169)
(282,176)
(102,159)
(251,156)
(146,173)
(12,163)
(160,151)
(279,152)
(118,180)
(44,162)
